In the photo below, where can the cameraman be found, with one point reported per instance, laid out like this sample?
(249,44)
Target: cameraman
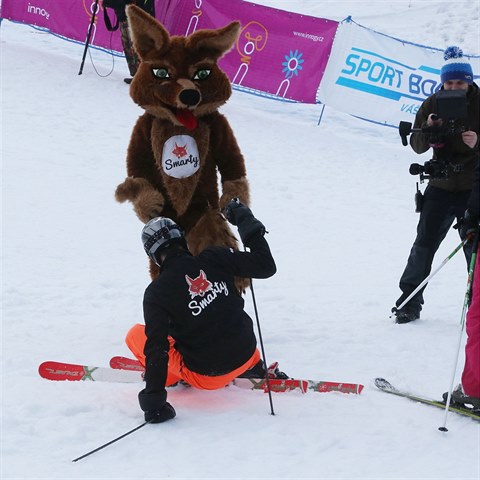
(444,199)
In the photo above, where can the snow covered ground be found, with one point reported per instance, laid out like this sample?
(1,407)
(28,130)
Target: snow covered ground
(337,200)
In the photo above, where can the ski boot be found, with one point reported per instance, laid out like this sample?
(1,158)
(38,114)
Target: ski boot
(459,397)
(258,371)
(274,372)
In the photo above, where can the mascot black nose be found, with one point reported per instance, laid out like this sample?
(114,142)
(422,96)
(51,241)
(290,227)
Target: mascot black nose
(189,97)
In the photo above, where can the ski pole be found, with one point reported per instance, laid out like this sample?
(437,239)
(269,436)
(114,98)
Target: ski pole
(466,302)
(109,443)
(395,309)
(262,348)
(89,34)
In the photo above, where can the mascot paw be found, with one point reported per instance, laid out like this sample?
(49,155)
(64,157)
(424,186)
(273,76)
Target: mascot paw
(131,188)
(235,189)
(147,202)
(148,205)
(242,284)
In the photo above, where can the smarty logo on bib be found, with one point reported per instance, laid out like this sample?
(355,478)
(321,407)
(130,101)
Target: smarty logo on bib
(180,157)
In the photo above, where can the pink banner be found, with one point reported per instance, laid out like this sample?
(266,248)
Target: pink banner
(68,18)
(278,52)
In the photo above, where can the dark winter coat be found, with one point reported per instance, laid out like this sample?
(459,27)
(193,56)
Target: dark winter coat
(455,150)
(119,7)
(195,301)
(474,201)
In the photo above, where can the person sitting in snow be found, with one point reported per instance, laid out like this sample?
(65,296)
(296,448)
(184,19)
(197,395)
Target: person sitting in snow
(444,198)
(196,329)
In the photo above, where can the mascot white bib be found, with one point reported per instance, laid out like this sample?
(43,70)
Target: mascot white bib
(180,157)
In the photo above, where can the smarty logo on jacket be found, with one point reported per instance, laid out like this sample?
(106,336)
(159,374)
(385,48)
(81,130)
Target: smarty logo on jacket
(208,291)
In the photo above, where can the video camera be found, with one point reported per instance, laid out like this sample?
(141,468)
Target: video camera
(451,108)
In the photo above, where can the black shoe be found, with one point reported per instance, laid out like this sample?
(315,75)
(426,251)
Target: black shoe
(258,371)
(406,315)
(128,80)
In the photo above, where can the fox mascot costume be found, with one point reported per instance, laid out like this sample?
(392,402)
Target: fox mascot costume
(181,140)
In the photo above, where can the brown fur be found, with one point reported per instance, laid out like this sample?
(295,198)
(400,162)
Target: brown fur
(235,189)
(181,87)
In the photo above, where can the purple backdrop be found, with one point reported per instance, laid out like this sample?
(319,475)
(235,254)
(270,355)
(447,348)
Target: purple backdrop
(68,18)
(278,52)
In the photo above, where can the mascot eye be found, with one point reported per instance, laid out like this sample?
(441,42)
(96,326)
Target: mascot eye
(161,73)
(202,74)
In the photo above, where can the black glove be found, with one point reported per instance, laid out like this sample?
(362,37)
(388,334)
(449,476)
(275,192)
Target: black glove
(167,412)
(468,225)
(240,215)
(155,406)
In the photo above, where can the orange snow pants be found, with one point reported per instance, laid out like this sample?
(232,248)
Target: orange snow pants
(177,370)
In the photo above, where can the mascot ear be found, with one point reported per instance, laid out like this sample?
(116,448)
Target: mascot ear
(147,34)
(217,42)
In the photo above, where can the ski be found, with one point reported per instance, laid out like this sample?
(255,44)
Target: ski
(73,372)
(276,384)
(124,363)
(386,386)
(286,385)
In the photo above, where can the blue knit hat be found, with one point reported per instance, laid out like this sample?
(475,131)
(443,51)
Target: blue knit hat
(456,66)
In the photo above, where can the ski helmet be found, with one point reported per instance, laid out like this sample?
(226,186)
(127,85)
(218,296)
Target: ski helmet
(159,234)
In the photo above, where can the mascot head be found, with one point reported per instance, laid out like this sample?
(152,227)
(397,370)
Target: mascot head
(178,78)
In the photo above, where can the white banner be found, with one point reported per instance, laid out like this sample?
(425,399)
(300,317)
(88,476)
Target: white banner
(379,78)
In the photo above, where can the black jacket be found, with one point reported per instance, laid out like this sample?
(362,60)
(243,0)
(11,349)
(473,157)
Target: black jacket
(195,301)
(120,5)
(474,201)
(455,150)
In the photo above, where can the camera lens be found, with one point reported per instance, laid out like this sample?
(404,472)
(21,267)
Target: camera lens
(415,169)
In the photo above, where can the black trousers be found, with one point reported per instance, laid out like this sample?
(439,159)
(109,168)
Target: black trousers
(130,54)
(440,208)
